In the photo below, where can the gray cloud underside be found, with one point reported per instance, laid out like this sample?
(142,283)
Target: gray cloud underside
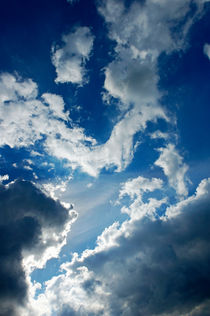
(143,267)
(162,268)
(25,215)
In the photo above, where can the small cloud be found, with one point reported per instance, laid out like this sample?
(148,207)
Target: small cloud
(206,50)
(174,168)
(27,167)
(159,134)
(34,153)
(69,59)
(35,176)
(4,178)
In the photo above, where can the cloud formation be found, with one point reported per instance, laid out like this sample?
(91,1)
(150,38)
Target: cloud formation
(156,262)
(174,168)
(26,118)
(142,32)
(33,228)
(131,78)
(69,59)
(145,266)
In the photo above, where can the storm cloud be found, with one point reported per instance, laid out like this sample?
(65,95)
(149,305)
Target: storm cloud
(144,266)
(26,214)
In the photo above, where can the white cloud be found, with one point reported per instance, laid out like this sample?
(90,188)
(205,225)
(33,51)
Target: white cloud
(54,190)
(56,105)
(119,149)
(26,119)
(4,178)
(174,168)
(201,195)
(131,78)
(159,134)
(69,59)
(206,50)
(141,33)
(137,186)
(12,87)
(135,189)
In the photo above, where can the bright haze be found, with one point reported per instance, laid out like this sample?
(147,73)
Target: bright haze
(105,158)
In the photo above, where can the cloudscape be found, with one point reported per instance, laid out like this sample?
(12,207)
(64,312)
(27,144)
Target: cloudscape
(105,158)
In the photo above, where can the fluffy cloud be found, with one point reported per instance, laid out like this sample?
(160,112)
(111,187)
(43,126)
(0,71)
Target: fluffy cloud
(141,33)
(145,266)
(174,168)
(26,118)
(69,59)
(56,105)
(33,228)
(132,78)
(137,186)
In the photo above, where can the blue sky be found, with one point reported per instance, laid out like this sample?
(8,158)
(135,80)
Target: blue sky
(104,157)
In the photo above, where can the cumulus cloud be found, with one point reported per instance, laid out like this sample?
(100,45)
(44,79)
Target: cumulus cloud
(69,59)
(33,228)
(145,266)
(174,168)
(142,32)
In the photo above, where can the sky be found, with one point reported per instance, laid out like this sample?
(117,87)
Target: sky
(104,158)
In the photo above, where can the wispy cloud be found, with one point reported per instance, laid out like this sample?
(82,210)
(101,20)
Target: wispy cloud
(206,50)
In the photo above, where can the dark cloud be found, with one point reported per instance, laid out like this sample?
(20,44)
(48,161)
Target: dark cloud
(24,213)
(161,268)
(68,311)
